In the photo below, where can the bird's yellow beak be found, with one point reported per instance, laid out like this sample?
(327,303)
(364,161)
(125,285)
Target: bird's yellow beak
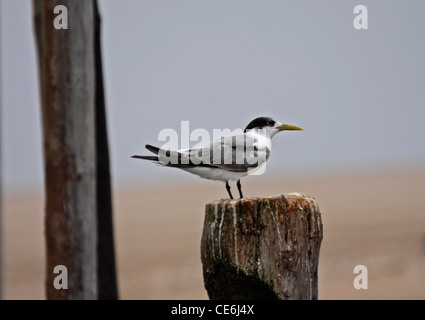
(288,127)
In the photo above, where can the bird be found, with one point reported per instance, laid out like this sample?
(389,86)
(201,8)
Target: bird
(228,158)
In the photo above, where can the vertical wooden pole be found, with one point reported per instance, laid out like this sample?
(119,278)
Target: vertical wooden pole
(67,74)
(107,282)
(262,248)
(1,189)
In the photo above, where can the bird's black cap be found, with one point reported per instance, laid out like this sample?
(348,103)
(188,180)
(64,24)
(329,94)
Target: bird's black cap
(260,123)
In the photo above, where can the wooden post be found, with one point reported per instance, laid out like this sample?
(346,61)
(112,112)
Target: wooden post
(67,76)
(262,248)
(1,186)
(106,269)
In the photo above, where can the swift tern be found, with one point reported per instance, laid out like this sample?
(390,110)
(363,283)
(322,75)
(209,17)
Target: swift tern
(228,158)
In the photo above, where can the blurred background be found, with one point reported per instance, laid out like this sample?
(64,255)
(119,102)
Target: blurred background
(358,94)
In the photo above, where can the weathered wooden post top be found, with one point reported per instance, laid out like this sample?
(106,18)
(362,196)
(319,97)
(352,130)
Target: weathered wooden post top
(262,248)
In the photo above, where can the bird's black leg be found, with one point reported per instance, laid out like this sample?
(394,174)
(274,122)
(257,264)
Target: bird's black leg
(228,189)
(239,188)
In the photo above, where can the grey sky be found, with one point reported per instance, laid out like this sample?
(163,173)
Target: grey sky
(359,94)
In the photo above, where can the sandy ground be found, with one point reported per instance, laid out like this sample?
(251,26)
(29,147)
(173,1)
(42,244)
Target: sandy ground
(376,220)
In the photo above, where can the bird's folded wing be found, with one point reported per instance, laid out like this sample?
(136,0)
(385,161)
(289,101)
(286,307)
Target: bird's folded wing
(233,153)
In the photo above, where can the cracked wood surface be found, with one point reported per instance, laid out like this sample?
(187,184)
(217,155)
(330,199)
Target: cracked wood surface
(262,248)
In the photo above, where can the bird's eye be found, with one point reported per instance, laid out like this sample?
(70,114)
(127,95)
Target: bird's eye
(271,123)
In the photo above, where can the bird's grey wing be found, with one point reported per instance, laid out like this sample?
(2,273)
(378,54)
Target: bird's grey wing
(170,158)
(233,153)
